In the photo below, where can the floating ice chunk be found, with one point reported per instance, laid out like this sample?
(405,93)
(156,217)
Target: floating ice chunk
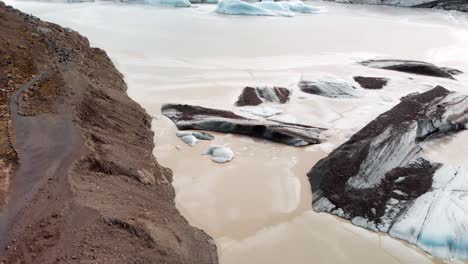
(220,154)
(191,138)
(174,3)
(263,111)
(279,8)
(237,7)
(300,7)
(187,137)
(437,221)
(264,8)
(204,1)
(330,87)
(202,135)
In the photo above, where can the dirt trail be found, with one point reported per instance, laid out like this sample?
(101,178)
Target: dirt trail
(85,186)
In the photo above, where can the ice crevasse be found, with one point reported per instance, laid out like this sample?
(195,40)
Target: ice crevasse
(265,8)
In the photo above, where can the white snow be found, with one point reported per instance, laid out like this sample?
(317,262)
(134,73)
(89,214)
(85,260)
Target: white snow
(220,154)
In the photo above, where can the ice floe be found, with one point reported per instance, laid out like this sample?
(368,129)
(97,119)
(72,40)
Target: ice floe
(330,87)
(173,3)
(191,138)
(263,111)
(220,154)
(264,8)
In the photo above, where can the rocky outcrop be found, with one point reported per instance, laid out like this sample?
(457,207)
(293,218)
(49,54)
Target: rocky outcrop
(80,183)
(372,83)
(379,179)
(200,118)
(329,87)
(414,67)
(258,95)
(459,5)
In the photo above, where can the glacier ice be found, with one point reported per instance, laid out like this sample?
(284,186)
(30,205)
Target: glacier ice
(329,86)
(263,111)
(438,220)
(191,138)
(264,8)
(173,3)
(220,154)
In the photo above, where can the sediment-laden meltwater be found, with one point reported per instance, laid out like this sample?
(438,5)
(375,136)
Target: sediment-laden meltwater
(257,207)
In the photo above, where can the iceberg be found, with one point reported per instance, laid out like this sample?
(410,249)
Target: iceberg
(330,87)
(237,7)
(220,154)
(265,8)
(300,7)
(263,111)
(191,138)
(173,3)
(279,8)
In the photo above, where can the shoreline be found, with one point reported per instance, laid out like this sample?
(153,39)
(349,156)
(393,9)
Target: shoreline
(87,187)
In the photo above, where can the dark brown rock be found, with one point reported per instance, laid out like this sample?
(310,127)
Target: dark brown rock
(371,82)
(259,95)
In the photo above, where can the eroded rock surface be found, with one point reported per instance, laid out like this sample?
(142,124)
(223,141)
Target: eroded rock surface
(258,95)
(201,118)
(414,67)
(379,179)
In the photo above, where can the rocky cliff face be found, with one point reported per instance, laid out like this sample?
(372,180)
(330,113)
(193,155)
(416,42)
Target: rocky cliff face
(78,181)
(459,5)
